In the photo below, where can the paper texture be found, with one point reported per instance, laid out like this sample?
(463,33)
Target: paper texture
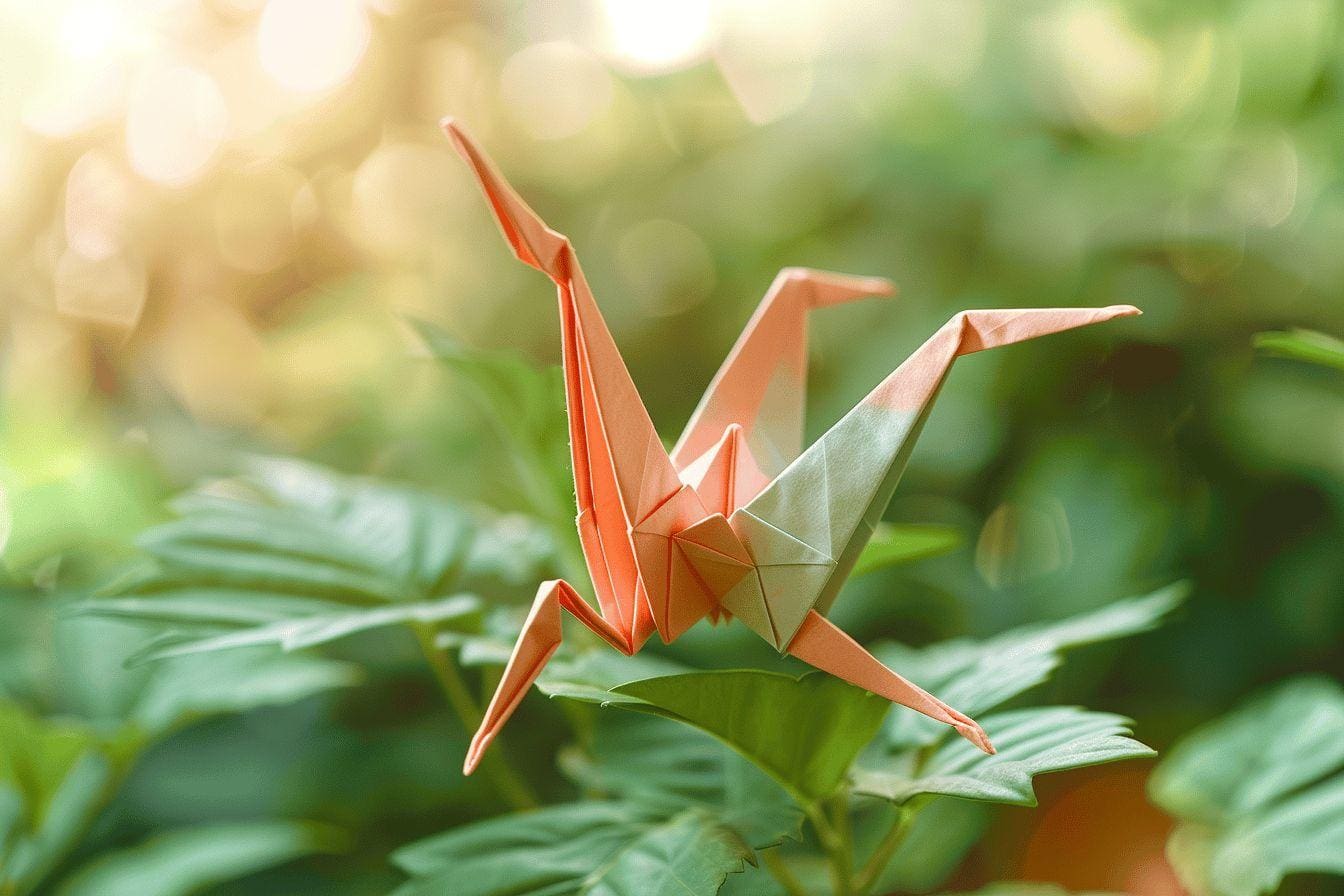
(738,519)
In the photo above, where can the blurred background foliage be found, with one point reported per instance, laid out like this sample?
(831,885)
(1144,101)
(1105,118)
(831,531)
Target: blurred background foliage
(221,217)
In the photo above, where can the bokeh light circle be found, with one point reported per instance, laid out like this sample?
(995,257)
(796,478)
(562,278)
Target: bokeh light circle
(310,46)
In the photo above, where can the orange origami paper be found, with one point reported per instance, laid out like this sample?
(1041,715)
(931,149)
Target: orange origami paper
(738,520)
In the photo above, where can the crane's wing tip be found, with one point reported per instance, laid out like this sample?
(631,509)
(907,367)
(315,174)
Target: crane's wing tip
(1122,311)
(881,286)
(457,135)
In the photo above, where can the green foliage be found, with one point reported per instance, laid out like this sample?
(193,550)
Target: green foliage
(1030,742)
(56,776)
(680,808)
(1025,889)
(1187,158)
(52,777)
(296,556)
(893,544)
(1303,345)
(187,861)
(1259,793)
(668,768)
(804,732)
(979,676)
(525,407)
(188,688)
(590,848)
(659,783)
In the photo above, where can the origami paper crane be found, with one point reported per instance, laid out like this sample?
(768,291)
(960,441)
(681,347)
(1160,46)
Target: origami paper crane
(738,520)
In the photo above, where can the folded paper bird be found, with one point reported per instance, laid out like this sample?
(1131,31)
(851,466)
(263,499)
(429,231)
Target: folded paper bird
(738,520)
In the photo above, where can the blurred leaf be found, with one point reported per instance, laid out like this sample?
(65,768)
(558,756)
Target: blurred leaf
(297,529)
(893,544)
(1303,345)
(182,862)
(804,732)
(939,837)
(668,767)
(53,777)
(1030,742)
(1259,792)
(592,675)
(296,556)
(526,407)
(614,849)
(187,688)
(1022,888)
(976,676)
(296,633)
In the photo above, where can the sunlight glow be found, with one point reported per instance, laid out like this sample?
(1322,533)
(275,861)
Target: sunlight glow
(309,46)
(93,45)
(652,36)
(175,123)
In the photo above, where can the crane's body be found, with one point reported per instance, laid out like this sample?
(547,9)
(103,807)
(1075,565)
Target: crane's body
(739,519)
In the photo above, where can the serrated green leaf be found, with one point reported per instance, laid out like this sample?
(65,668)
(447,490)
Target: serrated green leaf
(297,556)
(312,630)
(667,767)
(1303,832)
(591,676)
(1259,792)
(1303,345)
(182,862)
(893,544)
(977,676)
(296,529)
(614,849)
(804,732)
(186,688)
(1030,742)
(1272,745)
(687,855)
(207,607)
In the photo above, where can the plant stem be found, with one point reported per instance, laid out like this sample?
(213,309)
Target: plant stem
(780,871)
(510,785)
(839,805)
(838,849)
(882,854)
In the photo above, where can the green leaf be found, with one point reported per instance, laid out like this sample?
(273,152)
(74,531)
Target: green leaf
(206,607)
(1030,742)
(666,767)
(182,862)
(977,676)
(591,676)
(296,556)
(187,688)
(1304,832)
(804,732)
(612,849)
(1303,345)
(1259,792)
(297,529)
(311,630)
(53,777)
(893,544)
(526,407)
(1272,745)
